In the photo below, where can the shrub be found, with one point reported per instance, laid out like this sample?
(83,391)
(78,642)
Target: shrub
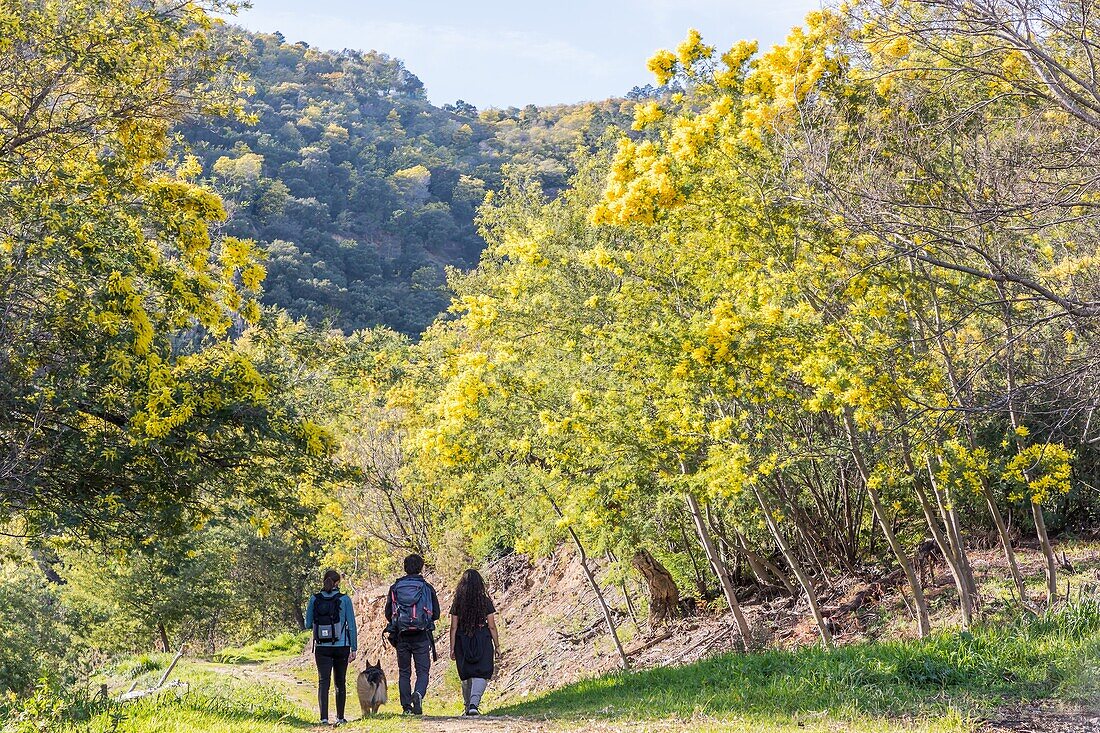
(32,639)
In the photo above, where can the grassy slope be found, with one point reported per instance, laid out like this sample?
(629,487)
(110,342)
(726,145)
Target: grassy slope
(940,683)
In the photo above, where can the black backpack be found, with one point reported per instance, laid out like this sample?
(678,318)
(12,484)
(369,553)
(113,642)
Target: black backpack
(327,617)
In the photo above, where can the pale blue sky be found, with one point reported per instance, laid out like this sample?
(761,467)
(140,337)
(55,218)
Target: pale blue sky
(495,53)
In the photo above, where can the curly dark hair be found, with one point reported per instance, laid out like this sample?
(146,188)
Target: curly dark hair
(472,601)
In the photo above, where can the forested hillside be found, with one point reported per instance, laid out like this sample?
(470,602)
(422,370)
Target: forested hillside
(359,190)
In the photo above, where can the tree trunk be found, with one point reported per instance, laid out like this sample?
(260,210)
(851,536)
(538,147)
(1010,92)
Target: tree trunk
(164,647)
(664,596)
(700,581)
(800,521)
(47,569)
(950,516)
(630,606)
(924,627)
(600,598)
(1006,542)
(959,563)
(946,548)
(796,568)
(719,569)
(630,609)
(596,589)
(763,567)
(1048,552)
(299,617)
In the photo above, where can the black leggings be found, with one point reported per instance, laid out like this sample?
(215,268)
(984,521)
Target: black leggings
(332,662)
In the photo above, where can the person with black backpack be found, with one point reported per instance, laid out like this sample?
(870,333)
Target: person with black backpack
(335,640)
(412,609)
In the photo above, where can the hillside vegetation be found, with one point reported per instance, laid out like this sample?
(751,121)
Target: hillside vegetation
(360,191)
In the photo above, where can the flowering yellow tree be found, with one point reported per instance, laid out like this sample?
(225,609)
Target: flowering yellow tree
(125,403)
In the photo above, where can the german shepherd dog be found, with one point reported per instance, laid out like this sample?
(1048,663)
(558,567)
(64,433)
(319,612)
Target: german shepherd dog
(371,686)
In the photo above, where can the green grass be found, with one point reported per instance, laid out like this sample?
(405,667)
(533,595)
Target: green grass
(940,682)
(133,667)
(222,706)
(283,646)
(213,704)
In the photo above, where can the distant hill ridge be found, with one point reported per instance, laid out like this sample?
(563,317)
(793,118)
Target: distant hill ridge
(360,190)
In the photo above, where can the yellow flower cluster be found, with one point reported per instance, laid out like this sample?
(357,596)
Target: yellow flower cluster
(253,275)
(318,440)
(640,186)
(523,248)
(735,61)
(785,75)
(646,115)
(722,332)
(690,135)
(481,311)
(692,50)
(898,48)
(1039,472)
(963,469)
(663,65)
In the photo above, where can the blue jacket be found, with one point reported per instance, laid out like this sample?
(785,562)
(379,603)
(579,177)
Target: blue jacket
(346,634)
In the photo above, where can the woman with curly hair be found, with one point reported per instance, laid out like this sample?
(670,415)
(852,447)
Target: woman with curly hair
(474,639)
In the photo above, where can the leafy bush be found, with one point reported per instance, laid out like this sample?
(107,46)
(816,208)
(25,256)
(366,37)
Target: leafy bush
(32,639)
(51,708)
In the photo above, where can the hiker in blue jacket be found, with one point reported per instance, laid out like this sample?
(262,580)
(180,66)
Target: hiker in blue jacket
(412,609)
(332,618)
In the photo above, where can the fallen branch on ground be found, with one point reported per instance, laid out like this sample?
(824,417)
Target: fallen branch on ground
(131,694)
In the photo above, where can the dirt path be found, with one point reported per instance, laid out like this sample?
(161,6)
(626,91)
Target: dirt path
(1044,719)
(484,724)
(494,724)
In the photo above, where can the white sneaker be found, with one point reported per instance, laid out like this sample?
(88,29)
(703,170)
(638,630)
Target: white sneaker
(324,721)
(341,721)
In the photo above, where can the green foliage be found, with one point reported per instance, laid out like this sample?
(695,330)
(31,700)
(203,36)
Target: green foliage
(34,638)
(226,583)
(60,709)
(128,601)
(283,646)
(124,404)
